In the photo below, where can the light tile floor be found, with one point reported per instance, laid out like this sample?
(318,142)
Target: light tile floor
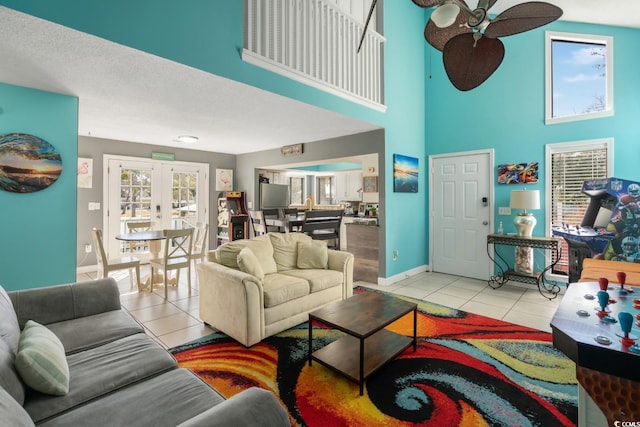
(175,321)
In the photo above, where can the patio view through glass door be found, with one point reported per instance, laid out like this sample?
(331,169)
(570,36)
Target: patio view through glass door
(169,195)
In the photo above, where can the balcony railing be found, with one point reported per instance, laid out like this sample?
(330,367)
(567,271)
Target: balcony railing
(314,42)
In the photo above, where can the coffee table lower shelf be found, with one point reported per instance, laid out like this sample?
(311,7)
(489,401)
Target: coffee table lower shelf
(346,356)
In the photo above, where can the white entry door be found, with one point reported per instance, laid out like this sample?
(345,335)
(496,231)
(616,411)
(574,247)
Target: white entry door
(171,195)
(461,213)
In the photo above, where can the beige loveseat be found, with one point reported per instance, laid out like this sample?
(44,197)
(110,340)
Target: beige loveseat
(272,285)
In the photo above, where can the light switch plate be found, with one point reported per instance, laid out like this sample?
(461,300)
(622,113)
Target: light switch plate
(504,211)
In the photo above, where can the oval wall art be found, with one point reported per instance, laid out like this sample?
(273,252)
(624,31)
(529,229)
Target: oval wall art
(27,163)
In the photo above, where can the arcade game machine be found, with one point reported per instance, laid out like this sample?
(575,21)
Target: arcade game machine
(233,217)
(610,227)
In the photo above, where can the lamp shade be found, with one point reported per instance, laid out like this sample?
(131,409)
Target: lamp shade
(523,199)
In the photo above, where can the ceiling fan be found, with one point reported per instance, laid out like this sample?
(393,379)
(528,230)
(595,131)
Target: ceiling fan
(468,39)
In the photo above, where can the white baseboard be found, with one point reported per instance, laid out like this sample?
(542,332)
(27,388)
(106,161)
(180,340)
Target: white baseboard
(386,281)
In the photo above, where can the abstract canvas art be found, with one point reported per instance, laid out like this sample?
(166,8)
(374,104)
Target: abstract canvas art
(518,173)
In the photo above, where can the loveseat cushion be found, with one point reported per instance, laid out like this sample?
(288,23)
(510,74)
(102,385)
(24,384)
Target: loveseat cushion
(260,246)
(285,249)
(92,331)
(318,279)
(41,360)
(280,288)
(100,370)
(165,400)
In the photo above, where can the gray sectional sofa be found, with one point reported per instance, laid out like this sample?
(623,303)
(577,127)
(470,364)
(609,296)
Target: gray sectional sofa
(117,375)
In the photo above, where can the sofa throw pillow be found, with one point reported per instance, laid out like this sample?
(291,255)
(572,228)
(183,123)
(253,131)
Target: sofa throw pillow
(41,361)
(285,249)
(249,264)
(313,254)
(261,247)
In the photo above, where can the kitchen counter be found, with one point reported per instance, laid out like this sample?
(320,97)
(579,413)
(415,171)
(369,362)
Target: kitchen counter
(362,242)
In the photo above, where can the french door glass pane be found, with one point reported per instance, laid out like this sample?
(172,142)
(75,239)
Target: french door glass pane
(184,199)
(135,199)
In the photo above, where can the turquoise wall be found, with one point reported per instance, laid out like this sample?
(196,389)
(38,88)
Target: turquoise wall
(507,111)
(404,72)
(207,35)
(38,230)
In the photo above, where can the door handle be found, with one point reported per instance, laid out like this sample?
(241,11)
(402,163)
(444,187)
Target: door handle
(485,222)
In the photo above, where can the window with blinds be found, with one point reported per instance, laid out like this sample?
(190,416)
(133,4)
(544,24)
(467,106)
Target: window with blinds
(569,169)
(569,165)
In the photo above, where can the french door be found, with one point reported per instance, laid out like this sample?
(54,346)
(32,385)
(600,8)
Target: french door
(461,213)
(170,195)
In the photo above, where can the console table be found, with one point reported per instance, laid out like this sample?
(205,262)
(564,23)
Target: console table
(504,273)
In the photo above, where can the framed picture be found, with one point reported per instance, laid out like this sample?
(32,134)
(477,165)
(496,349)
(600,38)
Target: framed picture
(518,173)
(405,174)
(362,209)
(27,163)
(85,172)
(370,184)
(224,179)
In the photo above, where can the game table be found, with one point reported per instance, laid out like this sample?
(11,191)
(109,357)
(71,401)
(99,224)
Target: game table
(607,367)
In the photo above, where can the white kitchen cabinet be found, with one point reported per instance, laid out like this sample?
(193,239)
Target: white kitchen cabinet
(347,185)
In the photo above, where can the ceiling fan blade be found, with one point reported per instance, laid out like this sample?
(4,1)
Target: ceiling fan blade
(522,17)
(366,25)
(427,3)
(438,37)
(469,62)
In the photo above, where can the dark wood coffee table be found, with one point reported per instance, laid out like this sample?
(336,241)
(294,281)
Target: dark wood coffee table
(363,318)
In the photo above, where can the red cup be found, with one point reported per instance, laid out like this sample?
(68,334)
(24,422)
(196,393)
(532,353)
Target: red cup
(622,277)
(603,282)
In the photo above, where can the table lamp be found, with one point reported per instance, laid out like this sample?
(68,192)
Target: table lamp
(525,200)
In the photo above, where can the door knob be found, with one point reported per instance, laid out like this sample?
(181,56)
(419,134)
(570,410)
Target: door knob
(485,222)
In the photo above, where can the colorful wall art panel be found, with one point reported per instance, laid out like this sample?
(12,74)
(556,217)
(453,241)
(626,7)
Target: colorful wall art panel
(405,174)
(27,163)
(518,173)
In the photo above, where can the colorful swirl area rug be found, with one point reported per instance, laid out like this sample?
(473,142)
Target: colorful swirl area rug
(468,370)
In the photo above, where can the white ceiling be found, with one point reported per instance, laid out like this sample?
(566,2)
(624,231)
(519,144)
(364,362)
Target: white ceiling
(125,94)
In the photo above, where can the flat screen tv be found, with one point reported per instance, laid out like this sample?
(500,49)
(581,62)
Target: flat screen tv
(274,196)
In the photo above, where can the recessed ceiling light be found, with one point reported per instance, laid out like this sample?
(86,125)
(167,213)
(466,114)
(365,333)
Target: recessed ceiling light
(188,139)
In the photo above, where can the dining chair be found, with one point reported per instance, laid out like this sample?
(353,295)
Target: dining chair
(177,255)
(199,244)
(106,265)
(139,246)
(257,221)
(323,225)
(293,212)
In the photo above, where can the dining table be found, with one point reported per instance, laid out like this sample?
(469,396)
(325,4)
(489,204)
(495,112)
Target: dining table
(154,237)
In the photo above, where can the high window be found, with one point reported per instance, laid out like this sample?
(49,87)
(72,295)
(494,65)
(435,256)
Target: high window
(579,77)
